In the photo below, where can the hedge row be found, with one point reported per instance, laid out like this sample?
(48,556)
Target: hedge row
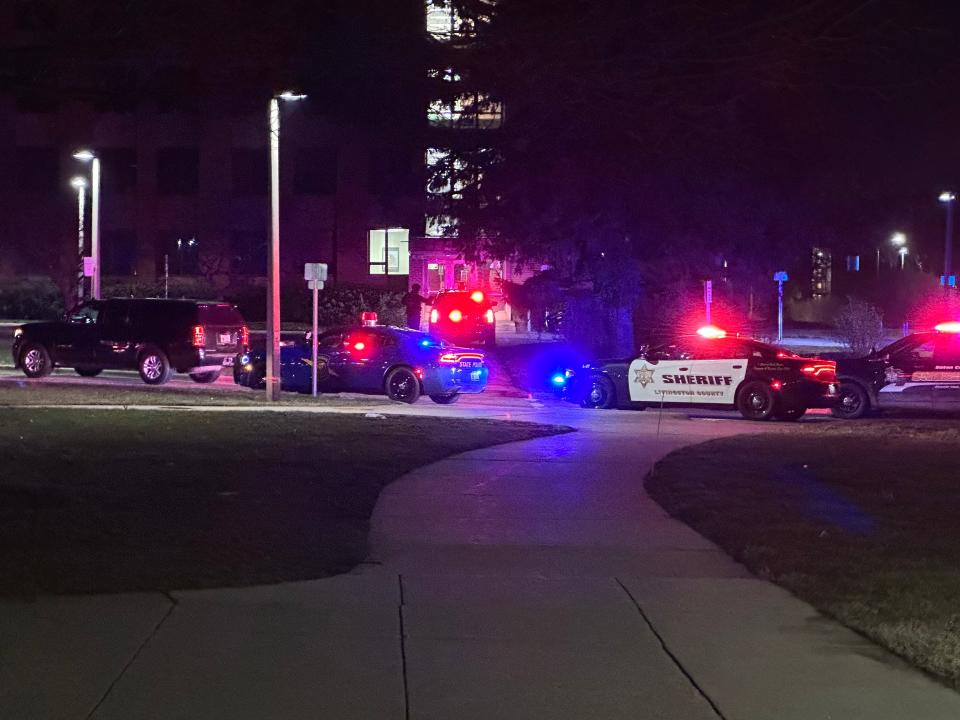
(39,299)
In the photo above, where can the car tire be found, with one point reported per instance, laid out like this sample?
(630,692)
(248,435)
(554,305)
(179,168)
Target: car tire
(755,401)
(448,399)
(35,360)
(600,394)
(402,385)
(205,378)
(789,413)
(154,366)
(88,372)
(852,403)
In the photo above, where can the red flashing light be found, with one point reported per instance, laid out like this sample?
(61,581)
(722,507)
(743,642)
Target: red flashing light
(418,372)
(434,315)
(359,345)
(786,354)
(368,318)
(711,332)
(199,336)
(455,316)
(489,315)
(948,327)
(776,384)
(477,296)
(245,336)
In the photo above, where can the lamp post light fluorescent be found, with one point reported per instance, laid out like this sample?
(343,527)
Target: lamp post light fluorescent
(948,198)
(273,262)
(899,241)
(80,185)
(90,157)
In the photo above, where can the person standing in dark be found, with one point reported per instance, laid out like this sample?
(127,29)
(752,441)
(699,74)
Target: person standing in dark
(413,301)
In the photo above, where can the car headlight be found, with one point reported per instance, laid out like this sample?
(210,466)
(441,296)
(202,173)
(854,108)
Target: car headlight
(244,359)
(17,333)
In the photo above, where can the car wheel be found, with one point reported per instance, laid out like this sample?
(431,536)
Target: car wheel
(852,402)
(755,401)
(789,414)
(601,393)
(88,372)
(402,385)
(35,360)
(154,366)
(447,399)
(204,378)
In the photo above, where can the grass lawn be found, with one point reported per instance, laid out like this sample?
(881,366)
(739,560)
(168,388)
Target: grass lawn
(119,500)
(50,391)
(860,519)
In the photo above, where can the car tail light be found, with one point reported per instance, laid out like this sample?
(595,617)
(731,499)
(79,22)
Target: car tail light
(455,316)
(452,358)
(489,315)
(245,336)
(199,336)
(476,296)
(434,315)
(827,372)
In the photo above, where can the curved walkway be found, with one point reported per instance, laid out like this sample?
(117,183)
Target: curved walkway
(532,580)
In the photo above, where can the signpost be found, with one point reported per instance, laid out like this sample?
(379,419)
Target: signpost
(316,275)
(780,278)
(708,296)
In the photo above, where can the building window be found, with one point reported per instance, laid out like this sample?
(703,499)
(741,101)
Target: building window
(821,274)
(466,111)
(178,171)
(250,171)
(119,170)
(119,252)
(389,251)
(38,170)
(447,24)
(315,171)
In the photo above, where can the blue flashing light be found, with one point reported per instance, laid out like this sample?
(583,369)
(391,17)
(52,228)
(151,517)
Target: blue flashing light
(426,342)
(244,359)
(558,379)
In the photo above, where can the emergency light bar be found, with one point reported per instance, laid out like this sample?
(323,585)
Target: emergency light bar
(711,332)
(476,296)
(948,327)
(368,318)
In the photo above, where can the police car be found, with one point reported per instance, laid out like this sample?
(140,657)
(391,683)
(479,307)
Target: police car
(710,369)
(918,372)
(401,363)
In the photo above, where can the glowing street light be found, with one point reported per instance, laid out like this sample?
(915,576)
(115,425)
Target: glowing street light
(949,199)
(273,271)
(898,239)
(79,183)
(89,156)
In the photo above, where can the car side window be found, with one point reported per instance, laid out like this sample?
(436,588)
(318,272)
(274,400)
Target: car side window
(330,341)
(86,314)
(946,351)
(113,315)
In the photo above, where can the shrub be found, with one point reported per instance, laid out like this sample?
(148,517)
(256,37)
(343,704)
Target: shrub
(30,299)
(337,305)
(859,326)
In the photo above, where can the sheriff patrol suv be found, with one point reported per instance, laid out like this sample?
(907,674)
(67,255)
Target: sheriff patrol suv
(917,372)
(712,370)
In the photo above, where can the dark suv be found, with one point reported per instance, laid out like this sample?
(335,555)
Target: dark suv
(155,337)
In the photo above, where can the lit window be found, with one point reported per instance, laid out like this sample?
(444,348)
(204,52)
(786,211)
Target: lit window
(440,226)
(470,111)
(389,251)
(446,24)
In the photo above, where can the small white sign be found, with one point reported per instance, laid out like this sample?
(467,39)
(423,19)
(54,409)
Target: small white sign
(315,271)
(89,267)
(315,285)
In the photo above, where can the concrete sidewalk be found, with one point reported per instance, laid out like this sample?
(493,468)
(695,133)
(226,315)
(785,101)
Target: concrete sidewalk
(532,580)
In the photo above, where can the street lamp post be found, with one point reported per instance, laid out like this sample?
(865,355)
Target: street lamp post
(273,270)
(90,157)
(80,185)
(899,240)
(948,198)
